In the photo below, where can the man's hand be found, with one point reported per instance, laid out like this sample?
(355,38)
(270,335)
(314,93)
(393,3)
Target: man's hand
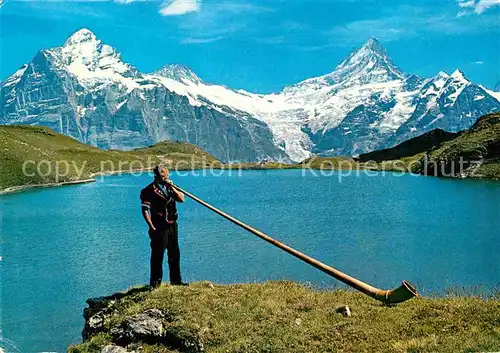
(169,185)
(147,218)
(179,196)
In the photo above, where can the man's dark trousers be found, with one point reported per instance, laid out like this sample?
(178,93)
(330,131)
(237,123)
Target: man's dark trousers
(161,239)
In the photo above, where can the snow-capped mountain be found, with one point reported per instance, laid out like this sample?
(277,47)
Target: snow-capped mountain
(83,89)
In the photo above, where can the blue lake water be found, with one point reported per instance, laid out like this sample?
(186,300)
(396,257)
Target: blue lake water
(61,246)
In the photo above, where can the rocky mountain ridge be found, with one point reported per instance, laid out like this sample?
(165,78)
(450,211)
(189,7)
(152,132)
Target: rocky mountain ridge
(83,89)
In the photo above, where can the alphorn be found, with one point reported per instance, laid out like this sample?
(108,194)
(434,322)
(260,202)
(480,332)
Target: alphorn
(400,294)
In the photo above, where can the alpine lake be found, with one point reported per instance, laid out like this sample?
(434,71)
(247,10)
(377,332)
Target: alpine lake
(63,245)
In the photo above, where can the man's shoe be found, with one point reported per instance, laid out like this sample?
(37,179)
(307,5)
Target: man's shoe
(179,284)
(154,284)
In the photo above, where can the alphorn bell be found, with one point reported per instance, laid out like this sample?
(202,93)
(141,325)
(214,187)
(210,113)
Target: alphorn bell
(400,294)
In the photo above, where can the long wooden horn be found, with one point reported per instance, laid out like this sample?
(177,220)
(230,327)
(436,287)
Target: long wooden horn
(400,294)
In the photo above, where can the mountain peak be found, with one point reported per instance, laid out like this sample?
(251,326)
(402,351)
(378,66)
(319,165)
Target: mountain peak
(372,47)
(458,75)
(442,74)
(177,72)
(370,63)
(81,36)
(86,57)
(373,44)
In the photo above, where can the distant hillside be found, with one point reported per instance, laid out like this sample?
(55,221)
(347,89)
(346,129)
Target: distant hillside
(34,143)
(435,153)
(410,147)
(478,148)
(472,153)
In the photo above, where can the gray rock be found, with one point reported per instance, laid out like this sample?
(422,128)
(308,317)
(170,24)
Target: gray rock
(101,308)
(344,310)
(110,348)
(152,327)
(95,321)
(183,338)
(146,327)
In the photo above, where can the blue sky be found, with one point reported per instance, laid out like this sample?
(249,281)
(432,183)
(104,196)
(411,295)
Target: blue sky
(262,46)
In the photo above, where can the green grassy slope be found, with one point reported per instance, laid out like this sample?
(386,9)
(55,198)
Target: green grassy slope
(287,317)
(318,162)
(411,147)
(479,147)
(34,143)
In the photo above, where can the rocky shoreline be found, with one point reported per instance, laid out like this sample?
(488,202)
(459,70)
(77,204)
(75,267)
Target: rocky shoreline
(20,188)
(91,179)
(152,326)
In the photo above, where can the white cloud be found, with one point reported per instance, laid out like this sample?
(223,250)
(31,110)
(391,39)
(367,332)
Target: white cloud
(201,40)
(470,3)
(180,7)
(124,2)
(479,62)
(476,6)
(222,19)
(483,5)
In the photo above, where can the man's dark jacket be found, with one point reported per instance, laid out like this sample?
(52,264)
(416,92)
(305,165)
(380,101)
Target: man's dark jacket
(161,204)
